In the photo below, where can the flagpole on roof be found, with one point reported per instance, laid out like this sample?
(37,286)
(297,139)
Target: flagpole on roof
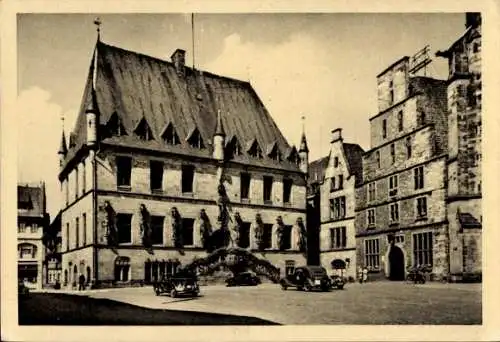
(192,36)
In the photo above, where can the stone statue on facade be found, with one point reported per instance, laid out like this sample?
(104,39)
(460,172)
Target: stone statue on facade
(224,209)
(302,235)
(259,232)
(145,226)
(235,230)
(109,225)
(176,228)
(280,233)
(205,230)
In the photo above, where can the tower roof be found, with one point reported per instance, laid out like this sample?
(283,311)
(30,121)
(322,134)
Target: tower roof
(303,143)
(219,127)
(63,149)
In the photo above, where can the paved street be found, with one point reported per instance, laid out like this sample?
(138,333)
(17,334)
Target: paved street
(371,303)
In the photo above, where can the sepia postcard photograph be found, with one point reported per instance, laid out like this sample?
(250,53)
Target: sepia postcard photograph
(236,170)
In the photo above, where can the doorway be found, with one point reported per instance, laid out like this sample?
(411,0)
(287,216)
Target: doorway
(396,264)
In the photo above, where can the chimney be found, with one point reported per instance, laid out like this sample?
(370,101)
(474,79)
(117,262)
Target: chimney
(179,60)
(336,135)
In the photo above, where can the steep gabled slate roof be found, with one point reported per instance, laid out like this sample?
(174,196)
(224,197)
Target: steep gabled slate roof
(354,155)
(30,201)
(134,86)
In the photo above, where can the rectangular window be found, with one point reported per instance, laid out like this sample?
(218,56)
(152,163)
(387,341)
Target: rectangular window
(408,147)
(77,232)
(157,230)
(338,238)
(419,177)
(287,190)
(341,181)
(67,236)
(84,228)
(399,239)
(394,208)
(421,207)
(422,248)
(377,154)
(22,228)
(34,228)
(393,185)
(371,217)
(332,184)
(336,161)
(384,128)
(267,235)
(66,190)
(124,226)
(245,185)
(187,231)
(337,208)
(268,188)
(156,175)
(123,171)
(332,208)
(187,178)
(77,189)
(244,235)
(342,207)
(400,121)
(287,237)
(84,178)
(393,153)
(372,256)
(371,191)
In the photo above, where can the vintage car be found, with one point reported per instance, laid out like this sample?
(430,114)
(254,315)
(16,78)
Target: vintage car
(307,278)
(243,278)
(177,285)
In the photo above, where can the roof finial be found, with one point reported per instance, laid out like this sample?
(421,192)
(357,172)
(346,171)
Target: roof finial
(98,22)
(303,141)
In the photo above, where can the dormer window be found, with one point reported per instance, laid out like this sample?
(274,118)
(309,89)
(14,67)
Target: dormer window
(195,140)
(275,153)
(115,126)
(170,136)
(293,156)
(143,131)
(255,150)
(233,148)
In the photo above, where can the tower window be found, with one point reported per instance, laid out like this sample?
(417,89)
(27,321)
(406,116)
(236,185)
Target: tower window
(336,162)
(377,156)
(187,178)
(391,93)
(419,177)
(408,147)
(384,128)
(393,153)
(123,171)
(400,121)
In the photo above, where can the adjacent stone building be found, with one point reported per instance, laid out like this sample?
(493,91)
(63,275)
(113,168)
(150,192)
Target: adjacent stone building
(464,211)
(163,158)
(32,220)
(333,179)
(400,205)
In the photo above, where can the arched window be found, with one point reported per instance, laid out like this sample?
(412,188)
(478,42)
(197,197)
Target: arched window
(122,269)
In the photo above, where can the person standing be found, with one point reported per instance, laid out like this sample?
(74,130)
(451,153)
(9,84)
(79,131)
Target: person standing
(360,274)
(365,275)
(81,282)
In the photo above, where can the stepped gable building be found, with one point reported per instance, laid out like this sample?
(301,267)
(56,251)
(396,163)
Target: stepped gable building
(161,157)
(464,155)
(400,205)
(32,220)
(333,179)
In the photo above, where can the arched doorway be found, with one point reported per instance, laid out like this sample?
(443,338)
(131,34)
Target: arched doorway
(396,263)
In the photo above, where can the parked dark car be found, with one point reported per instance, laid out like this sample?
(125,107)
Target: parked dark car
(178,284)
(243,278)
(307,278)
(22,290)
(337,282)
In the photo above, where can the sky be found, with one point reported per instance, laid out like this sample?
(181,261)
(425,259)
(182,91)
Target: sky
(322,66)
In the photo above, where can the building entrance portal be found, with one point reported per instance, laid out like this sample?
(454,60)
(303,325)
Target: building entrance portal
(396,263)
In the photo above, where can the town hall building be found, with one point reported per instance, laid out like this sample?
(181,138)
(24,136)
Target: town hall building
(162,157)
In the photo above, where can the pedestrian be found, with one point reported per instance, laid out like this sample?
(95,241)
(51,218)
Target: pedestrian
(365,274)
(360,274)
(81,282)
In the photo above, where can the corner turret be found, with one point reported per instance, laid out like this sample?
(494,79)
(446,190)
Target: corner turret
(219,139)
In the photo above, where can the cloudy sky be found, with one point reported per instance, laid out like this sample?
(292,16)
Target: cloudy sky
(322,66)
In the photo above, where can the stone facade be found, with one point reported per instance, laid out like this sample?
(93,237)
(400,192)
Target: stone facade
(464,159)
(400,206)
(32,220)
